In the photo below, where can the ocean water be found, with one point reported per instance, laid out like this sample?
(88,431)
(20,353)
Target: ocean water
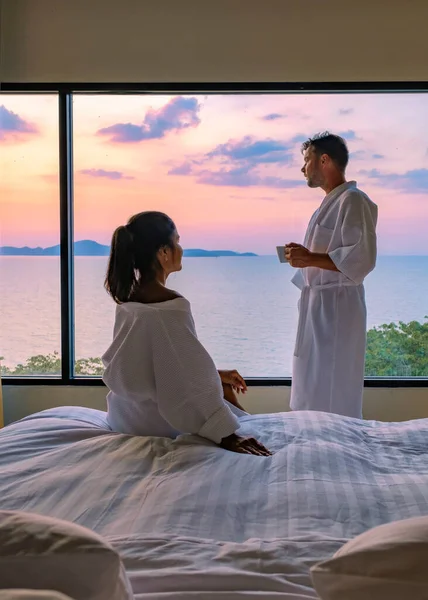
(245,308)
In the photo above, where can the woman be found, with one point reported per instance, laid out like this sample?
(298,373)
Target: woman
(161,379)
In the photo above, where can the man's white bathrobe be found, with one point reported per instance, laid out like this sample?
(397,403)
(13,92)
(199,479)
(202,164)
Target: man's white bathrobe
(329,355)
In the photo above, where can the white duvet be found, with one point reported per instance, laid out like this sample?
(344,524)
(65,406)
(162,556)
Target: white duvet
(193,520)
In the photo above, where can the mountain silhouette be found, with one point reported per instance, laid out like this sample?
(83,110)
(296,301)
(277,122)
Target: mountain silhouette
(91,248)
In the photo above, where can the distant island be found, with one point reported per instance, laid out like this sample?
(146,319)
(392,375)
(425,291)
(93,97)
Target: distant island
(91,248)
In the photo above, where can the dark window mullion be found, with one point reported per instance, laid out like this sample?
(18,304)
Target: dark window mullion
(66,233)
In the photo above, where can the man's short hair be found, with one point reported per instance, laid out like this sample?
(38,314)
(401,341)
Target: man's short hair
(333,145)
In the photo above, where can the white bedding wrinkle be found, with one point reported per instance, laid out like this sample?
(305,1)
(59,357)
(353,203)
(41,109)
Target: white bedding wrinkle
(180,565)
(197,517)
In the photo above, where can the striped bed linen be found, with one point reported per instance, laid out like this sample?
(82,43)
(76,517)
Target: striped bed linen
(175,508)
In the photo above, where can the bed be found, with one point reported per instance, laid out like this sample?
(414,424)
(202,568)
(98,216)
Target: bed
(191,520)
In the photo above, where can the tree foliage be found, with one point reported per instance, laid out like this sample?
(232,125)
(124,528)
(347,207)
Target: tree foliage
(50,364)
(398,350)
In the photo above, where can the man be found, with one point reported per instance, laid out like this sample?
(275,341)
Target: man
(339,250)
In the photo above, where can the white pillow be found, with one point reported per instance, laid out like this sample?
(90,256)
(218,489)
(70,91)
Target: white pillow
(388,562)
(32,595)
(43,553)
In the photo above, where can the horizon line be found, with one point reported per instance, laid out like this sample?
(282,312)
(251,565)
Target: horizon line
(184,249)
(238,255)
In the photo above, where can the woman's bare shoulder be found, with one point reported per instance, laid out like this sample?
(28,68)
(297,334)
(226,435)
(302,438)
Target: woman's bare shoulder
(155,295)
(171,295)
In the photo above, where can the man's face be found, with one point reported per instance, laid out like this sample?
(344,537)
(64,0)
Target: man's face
(312,167)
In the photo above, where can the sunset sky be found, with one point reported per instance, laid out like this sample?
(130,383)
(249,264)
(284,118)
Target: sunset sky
(225,168)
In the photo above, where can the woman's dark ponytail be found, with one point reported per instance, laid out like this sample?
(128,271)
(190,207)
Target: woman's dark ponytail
(133,253)
(121,277)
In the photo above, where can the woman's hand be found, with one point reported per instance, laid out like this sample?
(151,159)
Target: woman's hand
(243,445)
(230,396)
(234,379)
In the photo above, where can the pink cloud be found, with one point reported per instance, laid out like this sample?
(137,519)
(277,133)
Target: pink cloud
(13,127)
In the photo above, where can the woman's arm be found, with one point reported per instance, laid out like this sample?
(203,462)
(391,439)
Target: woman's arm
(230,396)
(188,387)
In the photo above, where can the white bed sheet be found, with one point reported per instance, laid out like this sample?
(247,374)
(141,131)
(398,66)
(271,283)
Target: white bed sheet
(193,520)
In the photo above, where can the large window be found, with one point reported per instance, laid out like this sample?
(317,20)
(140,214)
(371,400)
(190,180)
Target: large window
(30,333)
(226,168)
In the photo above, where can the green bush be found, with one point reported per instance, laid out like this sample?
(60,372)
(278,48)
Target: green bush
(51,365)
(398,350)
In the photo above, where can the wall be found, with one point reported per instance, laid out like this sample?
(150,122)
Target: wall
(383,404)
(214,40)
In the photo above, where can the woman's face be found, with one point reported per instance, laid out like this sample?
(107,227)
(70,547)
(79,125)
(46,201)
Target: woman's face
(171,258)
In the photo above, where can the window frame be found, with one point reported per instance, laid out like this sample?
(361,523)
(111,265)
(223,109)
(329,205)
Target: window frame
(65,92)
